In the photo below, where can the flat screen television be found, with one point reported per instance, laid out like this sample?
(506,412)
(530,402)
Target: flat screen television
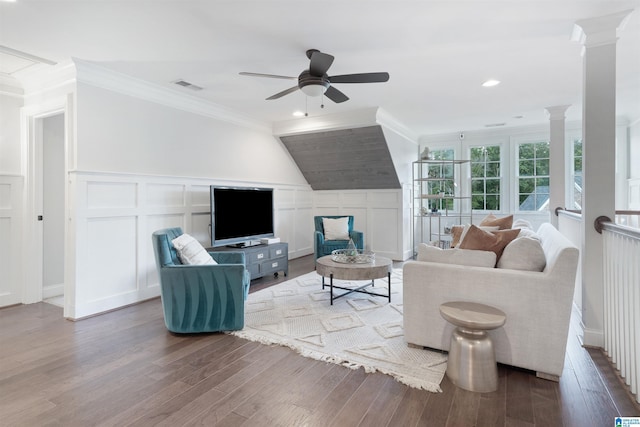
(240,216)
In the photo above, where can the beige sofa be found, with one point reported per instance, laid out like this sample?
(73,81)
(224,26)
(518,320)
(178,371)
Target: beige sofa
(537,304)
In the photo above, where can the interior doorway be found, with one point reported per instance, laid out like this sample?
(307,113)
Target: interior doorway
(52,191)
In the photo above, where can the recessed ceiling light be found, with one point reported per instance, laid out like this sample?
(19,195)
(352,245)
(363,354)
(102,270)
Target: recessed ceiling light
(491,83)
(298,114)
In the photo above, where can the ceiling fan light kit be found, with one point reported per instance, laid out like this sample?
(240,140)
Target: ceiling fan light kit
(316,82)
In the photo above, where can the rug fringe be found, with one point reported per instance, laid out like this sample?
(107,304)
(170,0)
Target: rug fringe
(411,382)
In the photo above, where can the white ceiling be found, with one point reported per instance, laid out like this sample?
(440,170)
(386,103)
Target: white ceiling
(437,52)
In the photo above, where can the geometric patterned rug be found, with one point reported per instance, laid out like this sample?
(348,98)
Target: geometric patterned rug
(358,330)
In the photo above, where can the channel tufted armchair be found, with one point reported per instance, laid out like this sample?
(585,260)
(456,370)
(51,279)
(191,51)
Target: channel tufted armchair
(324,247)
(200,298)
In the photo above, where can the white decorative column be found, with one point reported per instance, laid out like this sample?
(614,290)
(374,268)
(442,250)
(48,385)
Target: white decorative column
(557,163)
(599,37)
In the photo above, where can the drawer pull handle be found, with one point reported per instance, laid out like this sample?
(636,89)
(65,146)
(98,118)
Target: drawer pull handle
(260,256)
(274,264)
(279,252)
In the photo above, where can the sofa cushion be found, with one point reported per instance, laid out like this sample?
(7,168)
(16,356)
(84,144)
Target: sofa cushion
(190,251)
(504,223)
(336,228)
(523,253)
(495,241)
(468,257)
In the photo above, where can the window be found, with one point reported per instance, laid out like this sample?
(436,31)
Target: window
(446,185)
(577,174)
(485,178)
(533,176)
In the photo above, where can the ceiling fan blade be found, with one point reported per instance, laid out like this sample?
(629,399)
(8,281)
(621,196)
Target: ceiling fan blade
(320,63)
(271,76)
(283,93)
(360,78)
(335,95)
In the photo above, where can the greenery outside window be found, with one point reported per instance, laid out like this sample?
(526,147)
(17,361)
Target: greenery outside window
(485,178)
(533,176)
(446,185)
(577,174)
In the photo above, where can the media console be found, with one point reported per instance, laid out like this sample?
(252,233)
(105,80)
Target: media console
(262,259)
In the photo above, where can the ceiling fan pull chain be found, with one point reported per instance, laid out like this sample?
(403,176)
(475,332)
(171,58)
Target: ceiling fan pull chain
(322,101)
(306,106)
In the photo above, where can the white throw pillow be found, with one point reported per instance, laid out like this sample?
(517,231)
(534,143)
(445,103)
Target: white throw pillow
(523,253)
(336,228)
(191,252)
(522,223)
(470,257)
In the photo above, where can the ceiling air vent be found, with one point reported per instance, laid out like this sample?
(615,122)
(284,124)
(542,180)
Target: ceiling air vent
(188,85)
(494,125)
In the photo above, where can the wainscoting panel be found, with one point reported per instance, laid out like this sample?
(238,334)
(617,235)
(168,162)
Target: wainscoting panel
(10,239)
(116,214)
(378,214)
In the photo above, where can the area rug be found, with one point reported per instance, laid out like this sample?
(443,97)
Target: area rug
(358,330)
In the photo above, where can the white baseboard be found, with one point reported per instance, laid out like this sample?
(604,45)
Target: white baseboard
(51,291)
(593,338)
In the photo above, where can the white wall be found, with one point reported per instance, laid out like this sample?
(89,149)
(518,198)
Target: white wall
(11,187)
(633,195)
(53,205)
(379,214)
(144,165)
(10,156)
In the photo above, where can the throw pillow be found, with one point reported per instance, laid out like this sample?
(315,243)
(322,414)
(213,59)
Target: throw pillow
(190,251)
(336,228)
(459,232)
(504,223)
(468,257)
(523,253)
(521,223)
(495,241)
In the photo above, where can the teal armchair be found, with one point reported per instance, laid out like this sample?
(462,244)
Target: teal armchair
(324,247)
(200,298)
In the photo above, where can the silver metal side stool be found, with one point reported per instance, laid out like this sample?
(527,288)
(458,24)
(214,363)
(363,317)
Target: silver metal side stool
(472,359)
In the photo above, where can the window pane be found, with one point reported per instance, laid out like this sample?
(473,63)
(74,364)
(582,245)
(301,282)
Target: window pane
(527,185)
(542,167)
(526,168)
(493,169)
(477,186)
(526,151)
(542,150)
(493,203)
(493,186)
(542,182)
(523,197)
(477,170)
(493,153)
(477,202)
(477,154)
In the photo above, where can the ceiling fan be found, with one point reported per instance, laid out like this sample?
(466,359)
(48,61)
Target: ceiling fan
(315,81)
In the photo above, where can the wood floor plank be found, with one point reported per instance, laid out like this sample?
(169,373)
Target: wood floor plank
(410,408)
(355,409)
(335,400)
(124,368)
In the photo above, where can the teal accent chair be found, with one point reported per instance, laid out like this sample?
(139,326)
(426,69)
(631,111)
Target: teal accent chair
(200,298)
(324,247)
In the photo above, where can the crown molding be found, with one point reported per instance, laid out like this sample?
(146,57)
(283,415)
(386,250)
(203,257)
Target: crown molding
(10,86)
(389,122)
(96,75)
(600,31)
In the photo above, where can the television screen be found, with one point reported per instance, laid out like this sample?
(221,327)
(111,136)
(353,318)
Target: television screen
(240,215)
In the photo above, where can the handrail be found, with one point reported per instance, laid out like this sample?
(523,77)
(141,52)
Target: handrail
(604,222)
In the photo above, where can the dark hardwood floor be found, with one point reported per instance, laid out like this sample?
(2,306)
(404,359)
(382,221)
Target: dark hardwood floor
(124,368)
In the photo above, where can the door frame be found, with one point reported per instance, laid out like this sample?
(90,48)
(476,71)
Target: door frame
(32,118)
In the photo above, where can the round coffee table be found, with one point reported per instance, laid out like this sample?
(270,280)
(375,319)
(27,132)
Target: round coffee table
(377,269)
